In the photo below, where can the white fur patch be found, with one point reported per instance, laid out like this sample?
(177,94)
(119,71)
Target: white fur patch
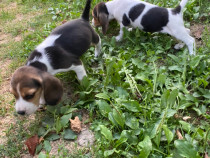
(48,42)
(22,105)
(98,48)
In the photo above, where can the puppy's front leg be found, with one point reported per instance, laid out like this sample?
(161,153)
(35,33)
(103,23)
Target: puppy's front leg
(120,36)
(80,71)
(98,48)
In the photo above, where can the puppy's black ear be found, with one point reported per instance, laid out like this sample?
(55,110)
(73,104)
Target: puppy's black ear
(103,18)
(53,89)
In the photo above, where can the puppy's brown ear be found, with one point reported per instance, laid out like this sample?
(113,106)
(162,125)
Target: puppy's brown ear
(53,89)
(103,18)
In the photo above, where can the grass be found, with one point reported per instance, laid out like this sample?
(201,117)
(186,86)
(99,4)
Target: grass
(138,92)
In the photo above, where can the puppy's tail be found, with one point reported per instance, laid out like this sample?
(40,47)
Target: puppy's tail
(183,3)
(86,11)
(180,7)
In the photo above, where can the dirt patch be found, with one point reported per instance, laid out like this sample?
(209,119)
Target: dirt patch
(197,32)
(3,38)
(11,6)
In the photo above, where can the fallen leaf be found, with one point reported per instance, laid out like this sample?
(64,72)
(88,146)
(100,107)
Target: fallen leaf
(31,143)
(206,155)
(41,139)
(64,21)
(176,116)
(179,134)
(76,125)
(186,118)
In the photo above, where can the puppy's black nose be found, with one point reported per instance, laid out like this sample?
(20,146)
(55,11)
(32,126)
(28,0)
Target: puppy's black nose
(21,112)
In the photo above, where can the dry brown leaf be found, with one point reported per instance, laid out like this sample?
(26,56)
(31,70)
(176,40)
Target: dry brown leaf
(64,21)
(176,116)
(206,155)
(76,125)
(41,139)
(31,143)
(186,118)
(179,134)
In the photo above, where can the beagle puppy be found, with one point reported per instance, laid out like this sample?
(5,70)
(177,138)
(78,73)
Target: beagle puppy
(34,84)
(145,16)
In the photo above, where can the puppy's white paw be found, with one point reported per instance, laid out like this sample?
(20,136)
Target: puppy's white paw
(179,46)
(188,30)
(130,29)
(97,52)
(118,38)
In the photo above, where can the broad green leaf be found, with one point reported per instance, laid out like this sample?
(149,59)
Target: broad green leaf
(186,149)
(175,68)
(195,61)
(186,105)
(120,141)
(153,130)
(111,118)
(169,135)
(175,58)
(157,138)
(186,126)
(164,98)
(47,146)
(42,155)
(102,96)
(65,119)
(38,148)
(131,138)
(122,93)
(41,131)
(207,95)
(119,117)
(138,63)
(172,97)
(131,121)
(104,107)
(106,132)
(170,113)
(53,137)
(58,125)
(145,147)
(69,135)
(109,152)
(161,79)
(132,106)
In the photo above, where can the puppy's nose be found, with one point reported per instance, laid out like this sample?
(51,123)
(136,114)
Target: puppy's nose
(21,112)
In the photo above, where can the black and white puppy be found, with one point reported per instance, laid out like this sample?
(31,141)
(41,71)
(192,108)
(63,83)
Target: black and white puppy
(34,84)
(145,16)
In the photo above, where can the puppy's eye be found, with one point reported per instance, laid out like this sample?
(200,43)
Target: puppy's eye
(30,96)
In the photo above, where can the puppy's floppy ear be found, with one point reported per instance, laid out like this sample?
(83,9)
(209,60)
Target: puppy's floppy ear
(103,18)
(53,89)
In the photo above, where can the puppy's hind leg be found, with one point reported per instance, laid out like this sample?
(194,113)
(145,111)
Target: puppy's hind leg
(182,34)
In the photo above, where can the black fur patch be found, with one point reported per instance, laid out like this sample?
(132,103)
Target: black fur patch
(39,65)
(136,11)
(76,37)
(155,19)
(34,54)
(125,20)
(102,8)
(61,59)
(176,10)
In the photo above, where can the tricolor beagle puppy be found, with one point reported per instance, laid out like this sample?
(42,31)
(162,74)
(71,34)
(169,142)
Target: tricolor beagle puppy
(145,16)
(34,84)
